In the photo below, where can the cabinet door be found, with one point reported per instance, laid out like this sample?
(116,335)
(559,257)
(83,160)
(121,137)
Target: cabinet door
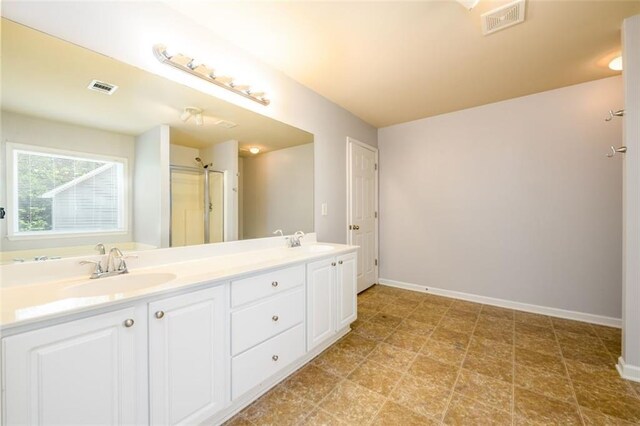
(320,305)
(346,289)
(89,371)
(186,357)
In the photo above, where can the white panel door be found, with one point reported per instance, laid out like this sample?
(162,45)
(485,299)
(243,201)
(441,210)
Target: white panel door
(363,205)
(187,357)
(320,306)
(90,371)
(346,290)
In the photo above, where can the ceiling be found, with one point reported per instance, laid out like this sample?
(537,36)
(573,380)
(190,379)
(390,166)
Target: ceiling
(46,77)
(392,62)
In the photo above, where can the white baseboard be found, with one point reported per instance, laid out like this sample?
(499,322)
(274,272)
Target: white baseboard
(629,372)
(536,309)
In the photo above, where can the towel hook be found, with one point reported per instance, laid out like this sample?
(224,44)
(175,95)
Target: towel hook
(612,113)
(621,150)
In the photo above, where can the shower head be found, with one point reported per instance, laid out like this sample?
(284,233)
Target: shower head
(204,166)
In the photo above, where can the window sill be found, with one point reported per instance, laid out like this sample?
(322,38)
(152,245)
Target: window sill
(24,237)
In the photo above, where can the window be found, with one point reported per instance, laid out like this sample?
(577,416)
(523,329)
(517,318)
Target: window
(55,192)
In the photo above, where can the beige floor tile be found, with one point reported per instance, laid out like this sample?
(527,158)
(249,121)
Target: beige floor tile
(466,411)
(457,324)
(393,414)
(499,334)
(407,341)
(278,407)
(607,333)
(545,362)
(427,317)
(610,403)
(481,345)
(338,361)
(238,420)
(635,386)
(365,313)
(596,418)
(312,383)
(416,327)
(437,300)
(497,312)
(430,369)
(573,326)
(537,344)
(392,357)
(449,353)
(454,337)
(397,310)
(375,376)
(463,305)
(487,390)
(568,338)
(357,344)
(425,397)
(407,301)
(387,320)
(497,368)
(594,356)
(495,323)
(534,408)
(464,315)
(373,330)
(533,319)
(544,382)
(320,417)
(352,403)
(534,330)
(602,376)
(614,348)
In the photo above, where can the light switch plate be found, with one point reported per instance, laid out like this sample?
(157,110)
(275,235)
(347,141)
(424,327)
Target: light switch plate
(324,209)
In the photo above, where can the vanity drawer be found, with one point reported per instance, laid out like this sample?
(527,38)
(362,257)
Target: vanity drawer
(261,362)
(264,285)
(258,323)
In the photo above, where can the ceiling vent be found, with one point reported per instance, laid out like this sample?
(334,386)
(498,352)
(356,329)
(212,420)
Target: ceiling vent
(224,123)
(503,17)
(102,87)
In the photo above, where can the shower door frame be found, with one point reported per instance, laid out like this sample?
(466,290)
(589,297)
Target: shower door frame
(207,199)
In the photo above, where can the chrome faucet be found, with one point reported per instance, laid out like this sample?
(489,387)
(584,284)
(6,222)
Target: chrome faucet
(115,265)
(294,240)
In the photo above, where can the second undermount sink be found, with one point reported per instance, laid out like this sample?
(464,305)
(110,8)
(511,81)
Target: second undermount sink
(117,284)
(317,248)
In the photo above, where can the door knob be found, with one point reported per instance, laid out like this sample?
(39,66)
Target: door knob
(159,314)
(129,322)
(274,284)
(339,262)
(275,357)
(275,318)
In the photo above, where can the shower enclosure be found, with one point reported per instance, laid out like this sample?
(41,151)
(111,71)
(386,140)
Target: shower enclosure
(197,213)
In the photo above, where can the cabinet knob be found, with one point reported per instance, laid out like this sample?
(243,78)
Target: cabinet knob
(275,357)
(339,262)
(159,314)
(129,322)
(275,318)
(333,263)
(274,284)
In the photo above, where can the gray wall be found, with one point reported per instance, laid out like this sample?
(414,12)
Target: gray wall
(513,200)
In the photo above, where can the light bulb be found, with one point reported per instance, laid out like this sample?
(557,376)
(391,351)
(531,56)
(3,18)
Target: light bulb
(616,63)
(254,150)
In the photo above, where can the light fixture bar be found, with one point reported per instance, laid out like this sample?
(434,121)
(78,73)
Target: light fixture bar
(192,67)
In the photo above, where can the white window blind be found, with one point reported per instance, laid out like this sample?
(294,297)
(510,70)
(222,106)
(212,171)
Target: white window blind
(57,193)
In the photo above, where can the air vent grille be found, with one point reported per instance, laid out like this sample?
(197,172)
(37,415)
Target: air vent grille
(102,87)
(503,17)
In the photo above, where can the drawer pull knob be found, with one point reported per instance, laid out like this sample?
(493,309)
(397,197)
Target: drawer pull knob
(129,322)
(340,262)
(274,284)
(275,318)
(275,357)
(333,263)
(159,314)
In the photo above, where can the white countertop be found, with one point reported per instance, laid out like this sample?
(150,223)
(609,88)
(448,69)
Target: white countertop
(28,303)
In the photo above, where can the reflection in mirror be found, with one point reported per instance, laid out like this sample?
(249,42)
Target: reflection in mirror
(97,151)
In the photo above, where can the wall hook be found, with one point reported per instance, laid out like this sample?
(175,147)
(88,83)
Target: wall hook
(621,150)
(612,113)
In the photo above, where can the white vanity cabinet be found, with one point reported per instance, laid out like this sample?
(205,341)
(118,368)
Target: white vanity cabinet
(88,371)
(187,381)
(331,297)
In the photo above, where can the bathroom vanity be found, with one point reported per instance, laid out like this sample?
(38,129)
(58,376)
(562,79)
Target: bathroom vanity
(171,342)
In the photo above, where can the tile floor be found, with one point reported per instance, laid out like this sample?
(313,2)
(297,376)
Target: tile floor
(419,359)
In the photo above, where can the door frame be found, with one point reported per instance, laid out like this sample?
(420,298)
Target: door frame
(351,142)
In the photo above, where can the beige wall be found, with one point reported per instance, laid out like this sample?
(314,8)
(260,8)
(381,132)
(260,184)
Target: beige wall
(513,200)
(25,129)
(278,192)
(127,30)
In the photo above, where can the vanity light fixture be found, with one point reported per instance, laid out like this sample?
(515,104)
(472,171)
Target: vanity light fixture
(204,72)
(194,112)
(254,150)
(616,63)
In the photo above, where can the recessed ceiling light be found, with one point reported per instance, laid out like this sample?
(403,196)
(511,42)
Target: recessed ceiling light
(254,150)
(616,63)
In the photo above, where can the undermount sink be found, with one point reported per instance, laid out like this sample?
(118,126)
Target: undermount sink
(318,248)
(117,284)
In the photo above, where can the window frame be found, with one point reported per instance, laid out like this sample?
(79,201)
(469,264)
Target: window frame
(12,193)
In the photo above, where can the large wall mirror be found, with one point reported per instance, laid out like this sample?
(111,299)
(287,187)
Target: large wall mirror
(98,151)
